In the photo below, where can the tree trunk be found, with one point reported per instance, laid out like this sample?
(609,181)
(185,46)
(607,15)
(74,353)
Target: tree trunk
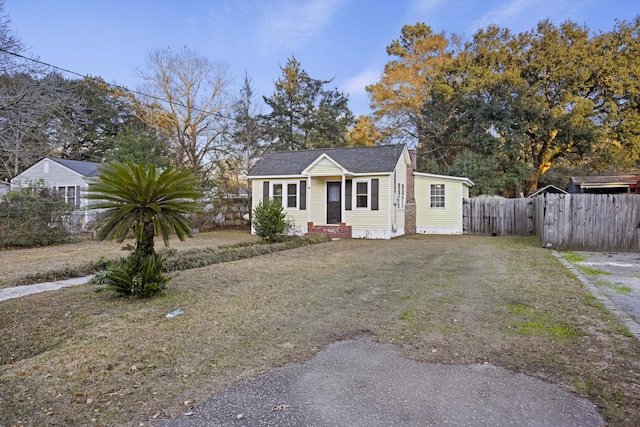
(532,184)
(145,245)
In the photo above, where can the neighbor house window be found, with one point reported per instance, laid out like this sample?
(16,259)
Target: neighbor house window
(362,194)
(437,195)
(68,194)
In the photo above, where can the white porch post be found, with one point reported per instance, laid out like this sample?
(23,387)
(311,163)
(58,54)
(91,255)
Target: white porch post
(342,199)
(308,192)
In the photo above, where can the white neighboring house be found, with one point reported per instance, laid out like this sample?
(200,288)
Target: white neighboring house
(4,188)
(70,178)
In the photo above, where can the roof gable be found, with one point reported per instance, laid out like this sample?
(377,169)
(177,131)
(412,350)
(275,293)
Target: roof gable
(353,160)
(323,163)
(547,189)
(78,166)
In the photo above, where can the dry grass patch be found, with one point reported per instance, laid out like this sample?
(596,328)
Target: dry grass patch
(80,357)
(26,266)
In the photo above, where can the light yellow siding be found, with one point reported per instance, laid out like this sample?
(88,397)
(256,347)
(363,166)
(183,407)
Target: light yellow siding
(448,217)
(324,168)
(256,192)
(299,217)
(366,218)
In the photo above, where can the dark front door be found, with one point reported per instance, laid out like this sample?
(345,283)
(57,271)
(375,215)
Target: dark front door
(334,208)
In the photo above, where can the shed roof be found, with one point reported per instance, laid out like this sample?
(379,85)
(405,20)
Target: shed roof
(610,179)
(548,189)
(357,160)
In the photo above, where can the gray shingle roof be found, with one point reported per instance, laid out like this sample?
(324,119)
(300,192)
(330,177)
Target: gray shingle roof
(83,168)
(377,159)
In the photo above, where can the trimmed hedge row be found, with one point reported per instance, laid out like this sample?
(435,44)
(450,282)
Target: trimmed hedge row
(184,260)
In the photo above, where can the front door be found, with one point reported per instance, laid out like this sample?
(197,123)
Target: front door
(334,208)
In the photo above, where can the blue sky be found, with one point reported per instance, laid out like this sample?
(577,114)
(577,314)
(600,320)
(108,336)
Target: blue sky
(340,39)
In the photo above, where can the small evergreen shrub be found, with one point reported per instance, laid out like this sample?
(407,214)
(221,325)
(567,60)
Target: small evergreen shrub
(34,216)
(270,221)
(135,276)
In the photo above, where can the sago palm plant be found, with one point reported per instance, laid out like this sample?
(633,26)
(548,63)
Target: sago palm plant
(141,199)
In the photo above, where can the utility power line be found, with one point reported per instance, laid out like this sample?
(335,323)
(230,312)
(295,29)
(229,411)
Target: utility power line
(96,79)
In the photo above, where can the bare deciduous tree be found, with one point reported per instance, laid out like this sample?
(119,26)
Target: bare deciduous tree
(9,43)
(188,101)
(29,97)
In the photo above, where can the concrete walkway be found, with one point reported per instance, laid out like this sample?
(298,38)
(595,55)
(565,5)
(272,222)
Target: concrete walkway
(617,305)
(20,291)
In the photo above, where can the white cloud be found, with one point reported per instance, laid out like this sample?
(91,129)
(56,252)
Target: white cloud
(355,86)
(424,7)
(503,15)
(289,23)
(522,15)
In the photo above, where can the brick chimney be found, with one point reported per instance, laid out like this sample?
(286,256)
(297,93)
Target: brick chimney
(410,205)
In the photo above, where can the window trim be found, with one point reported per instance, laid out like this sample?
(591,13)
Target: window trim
(285,193)
(435,197)
(400,194)
(70,194)
(356,194)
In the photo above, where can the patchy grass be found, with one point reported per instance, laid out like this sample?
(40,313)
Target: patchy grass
(528,321)
(621,289)
(573,257)
(86,358)
(592,271)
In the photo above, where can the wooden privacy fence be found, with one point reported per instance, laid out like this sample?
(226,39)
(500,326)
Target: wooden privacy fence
(498,217)
(589,222)
(579,222)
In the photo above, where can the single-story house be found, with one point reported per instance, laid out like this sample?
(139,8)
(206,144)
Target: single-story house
(603,184)
(70,178)
(360,192)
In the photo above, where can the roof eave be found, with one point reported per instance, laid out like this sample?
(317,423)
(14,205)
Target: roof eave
(461,179)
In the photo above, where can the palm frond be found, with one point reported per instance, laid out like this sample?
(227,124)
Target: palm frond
(133,194)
